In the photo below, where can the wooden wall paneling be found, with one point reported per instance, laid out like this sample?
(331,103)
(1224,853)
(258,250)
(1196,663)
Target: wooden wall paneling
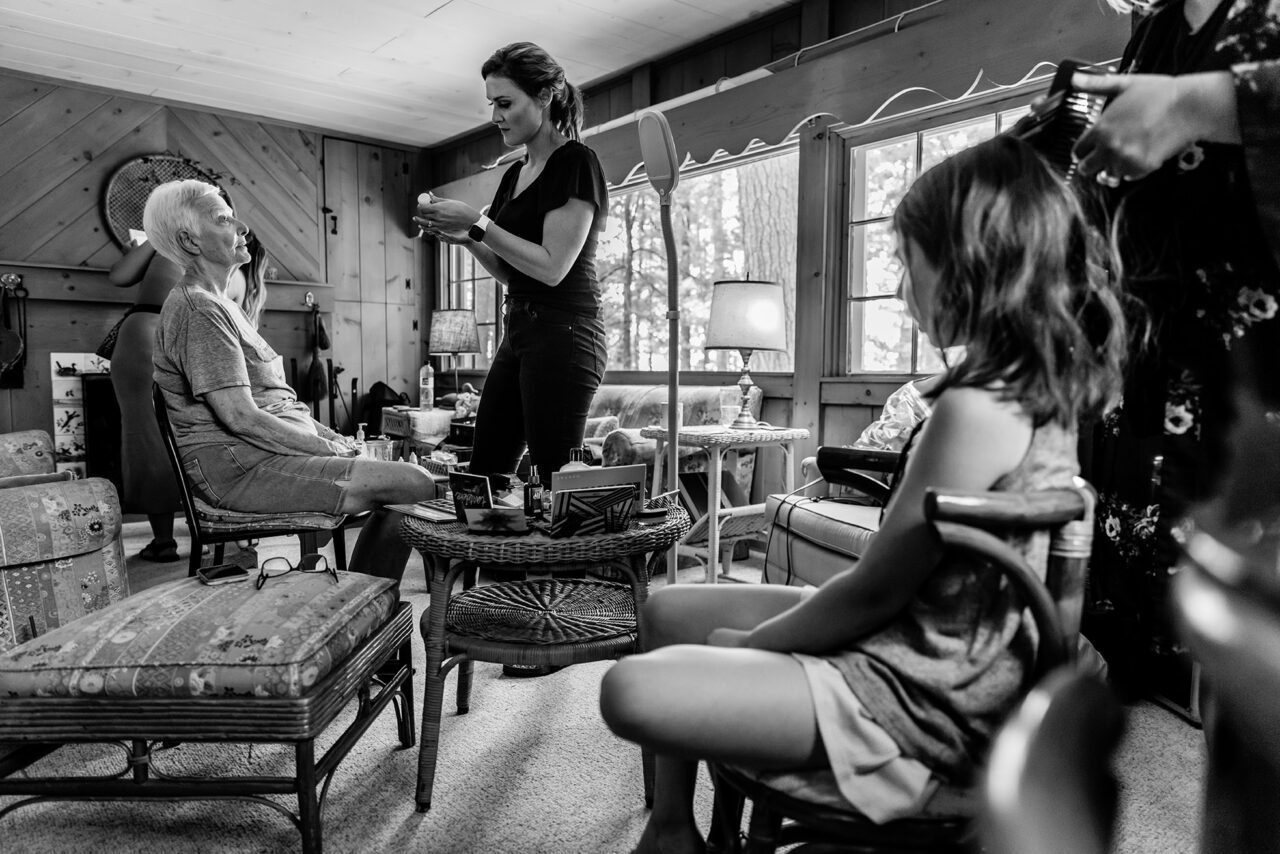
(67,225)
(842,425)
(57,161)
(341,225)
(38,123)
(18,93)
(399,202)
(372,230)
(371,226)
(344,333)
(402,348)
(279,204)
(404,279)
(341,234)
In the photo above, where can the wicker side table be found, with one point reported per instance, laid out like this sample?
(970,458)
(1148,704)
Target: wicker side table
(551,620)
(717,441)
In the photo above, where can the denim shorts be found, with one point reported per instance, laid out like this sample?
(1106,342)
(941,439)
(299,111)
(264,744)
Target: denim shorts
(238,476)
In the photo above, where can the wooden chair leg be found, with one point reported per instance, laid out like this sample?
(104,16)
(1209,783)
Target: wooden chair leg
(646,769)
(340,549)
(726,819)
(762,831)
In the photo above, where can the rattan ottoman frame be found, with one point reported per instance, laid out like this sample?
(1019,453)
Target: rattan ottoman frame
(376,673)
(449,552)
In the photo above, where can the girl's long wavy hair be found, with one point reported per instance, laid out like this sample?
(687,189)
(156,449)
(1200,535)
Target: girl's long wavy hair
(255,280)
(534,71)
(1025,283)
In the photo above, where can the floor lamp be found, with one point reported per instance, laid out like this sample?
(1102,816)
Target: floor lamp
(658,149)
(453,331)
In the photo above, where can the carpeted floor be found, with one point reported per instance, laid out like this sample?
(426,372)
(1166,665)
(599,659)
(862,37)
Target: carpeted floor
(531,768)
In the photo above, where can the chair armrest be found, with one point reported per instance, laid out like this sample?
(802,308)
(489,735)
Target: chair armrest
(1005,510)
(33,479)
(848,467)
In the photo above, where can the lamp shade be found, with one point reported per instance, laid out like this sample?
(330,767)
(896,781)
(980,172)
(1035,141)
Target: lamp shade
(453,331)
(747,315)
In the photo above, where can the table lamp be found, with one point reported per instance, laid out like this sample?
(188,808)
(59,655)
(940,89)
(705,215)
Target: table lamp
(746,316)
(453,331)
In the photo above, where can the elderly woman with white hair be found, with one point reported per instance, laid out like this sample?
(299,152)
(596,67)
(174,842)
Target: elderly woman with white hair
(247,444)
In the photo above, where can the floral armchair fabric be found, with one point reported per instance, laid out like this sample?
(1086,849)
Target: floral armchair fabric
(26,457)
(61,555)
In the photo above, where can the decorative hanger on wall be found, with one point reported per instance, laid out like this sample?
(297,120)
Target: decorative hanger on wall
(131,183)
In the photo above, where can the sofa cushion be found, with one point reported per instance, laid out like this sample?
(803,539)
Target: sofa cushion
(600,426)
(811,539)
(187,639)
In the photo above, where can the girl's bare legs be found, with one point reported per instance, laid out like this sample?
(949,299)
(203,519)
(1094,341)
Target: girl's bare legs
(688,702)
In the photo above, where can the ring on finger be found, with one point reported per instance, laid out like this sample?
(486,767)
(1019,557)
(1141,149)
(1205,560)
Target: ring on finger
(1106,179)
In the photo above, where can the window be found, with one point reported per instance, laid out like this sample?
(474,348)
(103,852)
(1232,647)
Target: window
(733,218)
(466,284)
(882,336)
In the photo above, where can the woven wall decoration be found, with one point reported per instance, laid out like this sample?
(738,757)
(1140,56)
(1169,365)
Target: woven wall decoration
(133,181)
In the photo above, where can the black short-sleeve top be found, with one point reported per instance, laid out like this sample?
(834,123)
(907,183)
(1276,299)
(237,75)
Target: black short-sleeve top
(571,172)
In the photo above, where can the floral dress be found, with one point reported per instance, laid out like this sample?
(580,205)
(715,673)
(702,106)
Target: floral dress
(1198,239)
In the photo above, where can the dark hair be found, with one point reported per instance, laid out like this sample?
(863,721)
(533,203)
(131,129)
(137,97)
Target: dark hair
(1025,283)
(533,70)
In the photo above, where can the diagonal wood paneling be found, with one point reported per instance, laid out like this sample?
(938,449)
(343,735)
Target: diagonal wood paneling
(272,191)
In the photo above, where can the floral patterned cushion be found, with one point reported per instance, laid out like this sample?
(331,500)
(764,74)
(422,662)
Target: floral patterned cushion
(26,452)
(60,555)
(222,520)
(187,639)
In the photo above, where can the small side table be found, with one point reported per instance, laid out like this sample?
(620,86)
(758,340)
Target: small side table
(557,621)
(716,441)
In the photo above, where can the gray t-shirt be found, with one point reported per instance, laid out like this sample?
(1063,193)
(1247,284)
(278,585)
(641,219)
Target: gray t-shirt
(205,343)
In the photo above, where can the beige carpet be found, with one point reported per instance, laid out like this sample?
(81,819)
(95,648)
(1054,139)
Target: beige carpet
(530,769)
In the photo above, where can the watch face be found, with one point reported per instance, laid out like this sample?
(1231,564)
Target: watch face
(475,232)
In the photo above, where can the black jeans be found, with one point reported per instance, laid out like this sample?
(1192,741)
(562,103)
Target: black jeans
(539,389)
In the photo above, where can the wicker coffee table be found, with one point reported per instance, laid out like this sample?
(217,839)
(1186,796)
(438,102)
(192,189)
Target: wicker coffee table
(551,620)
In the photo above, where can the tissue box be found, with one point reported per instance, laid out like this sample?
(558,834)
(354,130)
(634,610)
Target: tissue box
(423,425)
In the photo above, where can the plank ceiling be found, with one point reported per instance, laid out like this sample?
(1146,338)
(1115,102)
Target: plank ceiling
(405,71)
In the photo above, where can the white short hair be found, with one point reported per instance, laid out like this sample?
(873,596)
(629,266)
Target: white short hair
(172,207)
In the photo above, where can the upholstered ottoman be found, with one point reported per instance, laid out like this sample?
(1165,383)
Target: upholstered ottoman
(193,663)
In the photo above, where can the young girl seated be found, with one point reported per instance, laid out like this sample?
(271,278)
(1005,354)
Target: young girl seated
(897,672)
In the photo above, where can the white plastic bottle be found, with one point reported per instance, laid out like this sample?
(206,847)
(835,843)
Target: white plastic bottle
(360,446)
(426,386)
(576,460)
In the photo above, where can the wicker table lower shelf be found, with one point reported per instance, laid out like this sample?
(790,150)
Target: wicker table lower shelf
(543,621)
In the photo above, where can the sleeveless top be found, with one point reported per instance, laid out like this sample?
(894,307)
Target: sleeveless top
(943,675)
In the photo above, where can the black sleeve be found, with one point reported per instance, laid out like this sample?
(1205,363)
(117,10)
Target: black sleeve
(577,175)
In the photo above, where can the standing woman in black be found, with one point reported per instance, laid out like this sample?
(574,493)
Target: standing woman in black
(539,240)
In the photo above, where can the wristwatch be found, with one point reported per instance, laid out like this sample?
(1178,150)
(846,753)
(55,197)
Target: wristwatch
(478,228)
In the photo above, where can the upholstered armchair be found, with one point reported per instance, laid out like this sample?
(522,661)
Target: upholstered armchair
(61,555)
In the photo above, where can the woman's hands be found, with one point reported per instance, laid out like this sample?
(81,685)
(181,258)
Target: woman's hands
(445,219)
(1152,118)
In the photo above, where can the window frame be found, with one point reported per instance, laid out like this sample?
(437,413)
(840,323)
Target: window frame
(848,138)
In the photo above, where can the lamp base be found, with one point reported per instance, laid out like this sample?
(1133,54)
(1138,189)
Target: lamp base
(745,420)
